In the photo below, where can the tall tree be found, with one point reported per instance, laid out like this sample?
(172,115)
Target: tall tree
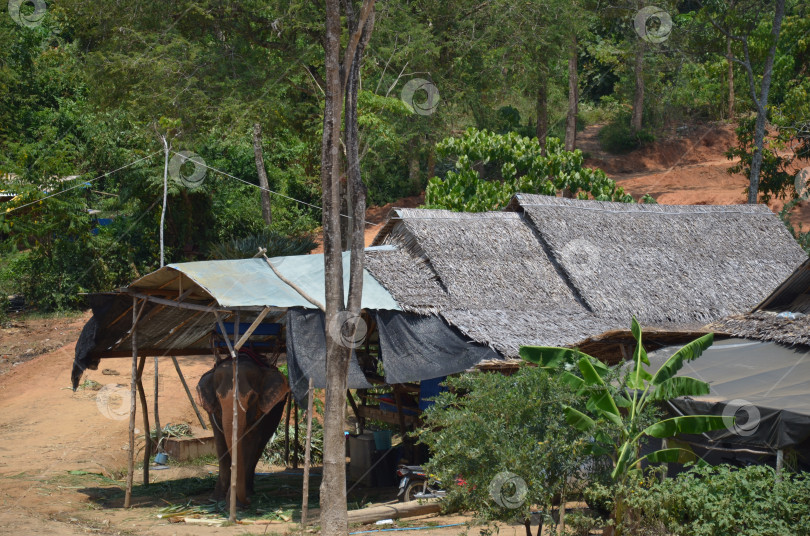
(737,22)
(342,81)
(573,97)
(267,211)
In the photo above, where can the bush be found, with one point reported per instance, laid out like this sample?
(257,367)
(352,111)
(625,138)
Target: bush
(617,137)
(723,501)
(507,438)
(277,245)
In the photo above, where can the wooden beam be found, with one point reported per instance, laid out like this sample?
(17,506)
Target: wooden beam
(394,511)
(307,454)
(182,305)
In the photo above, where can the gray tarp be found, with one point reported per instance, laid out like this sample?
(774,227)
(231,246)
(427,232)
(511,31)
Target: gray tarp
(416,348)
(306,354)
(765,385)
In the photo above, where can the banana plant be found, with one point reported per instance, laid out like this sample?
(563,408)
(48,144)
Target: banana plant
(624,407)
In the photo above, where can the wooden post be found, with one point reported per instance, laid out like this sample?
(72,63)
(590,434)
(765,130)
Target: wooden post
(188,392)
(287,431)
(295,435)
(157,415)
(307,451)
(147,447)
(235,427)
(780,459)
(132,387)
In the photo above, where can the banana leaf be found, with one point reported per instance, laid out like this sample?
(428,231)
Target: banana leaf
(689,424)
(577,419)
(690,351)
(673,455)
(679,386)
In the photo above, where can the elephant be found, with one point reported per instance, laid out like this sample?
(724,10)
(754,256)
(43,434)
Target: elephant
(263,391)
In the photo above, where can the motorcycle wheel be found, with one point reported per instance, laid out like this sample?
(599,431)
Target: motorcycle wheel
(410,491)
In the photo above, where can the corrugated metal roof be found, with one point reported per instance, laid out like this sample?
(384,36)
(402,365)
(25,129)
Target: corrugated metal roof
(251,282)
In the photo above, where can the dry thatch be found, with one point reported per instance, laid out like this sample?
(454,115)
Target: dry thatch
(766,326)
(552,271)
(665,263)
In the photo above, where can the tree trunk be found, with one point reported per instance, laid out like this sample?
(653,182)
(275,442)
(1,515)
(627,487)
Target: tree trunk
(730,59)
(334,519)
(267,212)
(333,483)
(638,98)
(541,130)
(413,165)
(573,97)
(762,102)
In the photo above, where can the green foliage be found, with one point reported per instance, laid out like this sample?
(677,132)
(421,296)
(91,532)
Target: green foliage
(491,424)
(277,245)
(491,168)
(774,179)
(636,393)
(617,137)
(274,450)
(722,501)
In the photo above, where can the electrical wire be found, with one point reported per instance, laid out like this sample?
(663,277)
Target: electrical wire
(83,183)
(203,164)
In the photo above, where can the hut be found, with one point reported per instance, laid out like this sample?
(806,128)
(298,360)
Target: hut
(563,272)
(447,291)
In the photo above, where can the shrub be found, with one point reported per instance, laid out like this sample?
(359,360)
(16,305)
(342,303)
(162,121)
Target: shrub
(723,501)
(617,137)
(507,438)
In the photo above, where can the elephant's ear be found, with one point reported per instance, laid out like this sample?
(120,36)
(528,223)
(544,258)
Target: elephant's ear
(206,392)
(274,390)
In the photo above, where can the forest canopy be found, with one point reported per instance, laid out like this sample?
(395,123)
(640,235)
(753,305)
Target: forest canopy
(89,91)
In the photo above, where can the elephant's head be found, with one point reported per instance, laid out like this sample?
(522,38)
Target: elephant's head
(262,391)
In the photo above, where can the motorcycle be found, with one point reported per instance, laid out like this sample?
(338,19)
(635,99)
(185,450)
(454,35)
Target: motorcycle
(416,484)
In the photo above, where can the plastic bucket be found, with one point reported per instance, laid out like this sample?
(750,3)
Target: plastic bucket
(382,439)
(161,458)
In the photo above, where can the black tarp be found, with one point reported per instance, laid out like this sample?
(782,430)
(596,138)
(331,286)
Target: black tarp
(416,348)
(413,348)
(306,354)
(764,385)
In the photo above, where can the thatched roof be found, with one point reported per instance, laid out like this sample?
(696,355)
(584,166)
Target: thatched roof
(665,263)
(782,317)
(553,271)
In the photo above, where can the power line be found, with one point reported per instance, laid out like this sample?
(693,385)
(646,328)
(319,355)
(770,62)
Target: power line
(83,183)
(203,164)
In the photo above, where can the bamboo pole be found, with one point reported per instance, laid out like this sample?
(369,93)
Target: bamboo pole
(188,392)
(147,447)
(287,431)
(307,452)
(235,426)
(157,414)
(295,435)
(132,387)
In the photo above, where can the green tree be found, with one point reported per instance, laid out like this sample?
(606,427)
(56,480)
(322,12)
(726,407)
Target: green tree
(491,168)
